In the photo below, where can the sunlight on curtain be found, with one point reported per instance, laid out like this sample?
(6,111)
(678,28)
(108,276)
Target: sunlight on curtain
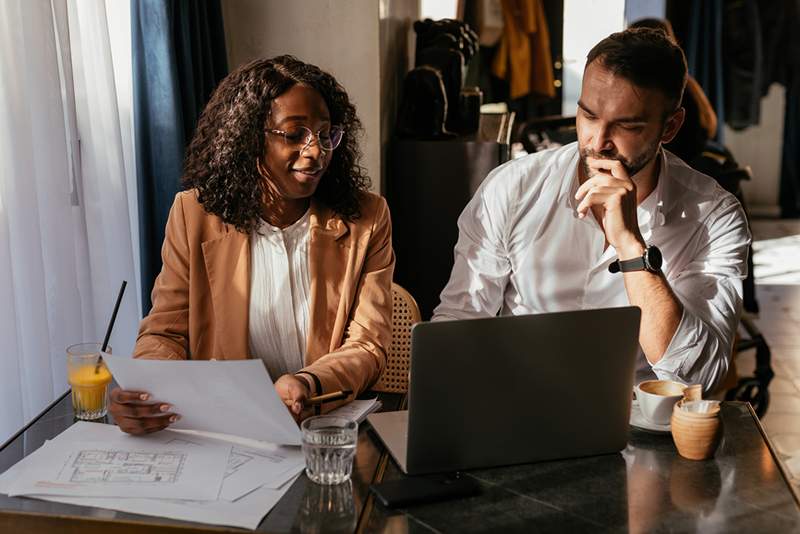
(106,142)
(65,228)
(586,22)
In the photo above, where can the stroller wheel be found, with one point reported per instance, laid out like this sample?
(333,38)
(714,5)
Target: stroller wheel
(751,390)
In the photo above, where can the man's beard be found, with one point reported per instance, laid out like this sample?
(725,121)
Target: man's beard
(632,166)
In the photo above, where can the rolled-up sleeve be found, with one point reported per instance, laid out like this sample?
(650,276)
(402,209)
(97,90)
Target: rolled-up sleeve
(710,289)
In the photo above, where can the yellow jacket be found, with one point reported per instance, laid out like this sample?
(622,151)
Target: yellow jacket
(523,55)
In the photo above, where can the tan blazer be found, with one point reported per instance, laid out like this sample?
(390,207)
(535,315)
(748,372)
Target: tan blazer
(201,297)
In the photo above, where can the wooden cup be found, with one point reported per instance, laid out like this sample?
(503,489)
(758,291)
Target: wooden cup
(696,434)
(693,392)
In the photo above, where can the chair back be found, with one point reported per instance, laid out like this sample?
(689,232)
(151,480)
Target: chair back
(405,313)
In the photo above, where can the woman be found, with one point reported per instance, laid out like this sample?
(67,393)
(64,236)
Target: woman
(277,250)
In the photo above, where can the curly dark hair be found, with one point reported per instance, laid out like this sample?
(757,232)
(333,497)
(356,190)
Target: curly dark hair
(221,161)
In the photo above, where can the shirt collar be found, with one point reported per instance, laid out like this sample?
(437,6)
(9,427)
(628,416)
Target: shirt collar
(650,212)
(300,226)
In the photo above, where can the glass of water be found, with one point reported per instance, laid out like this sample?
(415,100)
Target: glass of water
(329,445)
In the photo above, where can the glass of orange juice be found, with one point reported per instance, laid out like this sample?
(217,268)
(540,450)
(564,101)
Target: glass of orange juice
(89,377)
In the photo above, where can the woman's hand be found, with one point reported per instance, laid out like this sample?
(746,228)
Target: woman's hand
(294,391)
(135,413)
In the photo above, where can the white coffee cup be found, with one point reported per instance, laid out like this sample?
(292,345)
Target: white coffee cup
(657,398)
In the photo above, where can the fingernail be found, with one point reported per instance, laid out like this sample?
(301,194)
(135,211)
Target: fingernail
(297,407)
(165,407)
(174,418)
(143,396)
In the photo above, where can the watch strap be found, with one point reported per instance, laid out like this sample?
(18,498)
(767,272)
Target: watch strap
(635,264)
(627,266)
(650,261)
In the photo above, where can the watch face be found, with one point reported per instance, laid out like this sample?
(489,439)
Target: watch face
(653,258)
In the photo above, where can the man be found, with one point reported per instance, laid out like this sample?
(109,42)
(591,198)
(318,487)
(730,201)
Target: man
(544,233)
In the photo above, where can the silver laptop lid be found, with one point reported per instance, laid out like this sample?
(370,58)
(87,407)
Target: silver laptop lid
(507,390)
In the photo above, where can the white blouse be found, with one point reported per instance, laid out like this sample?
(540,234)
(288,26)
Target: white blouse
(279,296)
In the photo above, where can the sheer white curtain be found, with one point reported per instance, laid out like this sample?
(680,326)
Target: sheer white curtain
(66,214)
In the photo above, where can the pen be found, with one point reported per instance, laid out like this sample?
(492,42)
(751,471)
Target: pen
(328,397)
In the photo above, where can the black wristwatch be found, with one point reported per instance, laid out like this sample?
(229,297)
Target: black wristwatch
(649,261)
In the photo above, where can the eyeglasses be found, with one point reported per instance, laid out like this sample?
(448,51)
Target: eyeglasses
(300,137)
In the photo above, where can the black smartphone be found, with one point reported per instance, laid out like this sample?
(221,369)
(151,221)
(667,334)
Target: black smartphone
(424,489)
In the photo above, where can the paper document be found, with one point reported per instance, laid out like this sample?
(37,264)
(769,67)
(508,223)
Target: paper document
(357,410)
(247,511)
(229,397)
(250,468)
(126,466)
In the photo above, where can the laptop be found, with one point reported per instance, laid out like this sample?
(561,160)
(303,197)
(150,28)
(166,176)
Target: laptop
(516,389)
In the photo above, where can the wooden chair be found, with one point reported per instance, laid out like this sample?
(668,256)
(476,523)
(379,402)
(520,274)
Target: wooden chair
(405,313)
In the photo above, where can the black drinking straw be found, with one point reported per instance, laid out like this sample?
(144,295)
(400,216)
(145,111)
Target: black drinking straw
(111,324)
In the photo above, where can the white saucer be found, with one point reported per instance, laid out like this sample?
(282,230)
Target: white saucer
(639,421)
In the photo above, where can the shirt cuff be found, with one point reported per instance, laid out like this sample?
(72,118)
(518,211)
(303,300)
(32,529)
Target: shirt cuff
(311,379)
(683,350)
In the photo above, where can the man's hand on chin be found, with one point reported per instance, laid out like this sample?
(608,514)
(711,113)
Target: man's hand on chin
(611,189)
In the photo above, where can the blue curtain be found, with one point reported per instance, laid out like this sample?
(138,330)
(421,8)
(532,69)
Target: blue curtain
(750,44)
(783,65)
(790,168)
(178,60)
(704,55)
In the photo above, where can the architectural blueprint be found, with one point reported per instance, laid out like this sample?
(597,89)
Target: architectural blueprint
(257,474)
(123,466)
(251,467)
(126,466)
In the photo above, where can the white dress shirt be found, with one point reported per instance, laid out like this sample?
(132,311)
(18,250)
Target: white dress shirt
(522,249)
(279,296)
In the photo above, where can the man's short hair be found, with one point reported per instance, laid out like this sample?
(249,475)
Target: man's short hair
(647,58)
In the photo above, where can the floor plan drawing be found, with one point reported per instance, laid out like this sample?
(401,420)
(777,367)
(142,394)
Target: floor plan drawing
(250,468)
(112,464)
(240,455)
(127,467)
(236,460)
